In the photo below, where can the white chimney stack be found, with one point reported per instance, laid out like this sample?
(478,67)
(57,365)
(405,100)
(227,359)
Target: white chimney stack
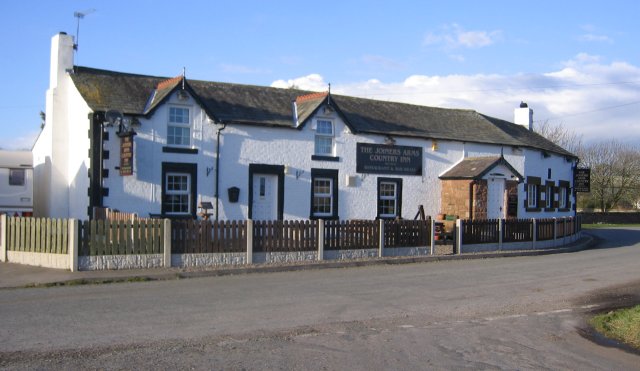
(523,116)
(61,58)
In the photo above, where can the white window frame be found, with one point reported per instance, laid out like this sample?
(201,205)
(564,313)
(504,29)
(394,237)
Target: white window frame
(532,196)
(328,196)
(180,125)
(393,198)
(323,135)
(562,197)
(549,196)
(171,192)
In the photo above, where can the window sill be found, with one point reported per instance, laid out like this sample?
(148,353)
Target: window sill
(191,151)
(534,210)
(549,209)
(325,158)
(564,209)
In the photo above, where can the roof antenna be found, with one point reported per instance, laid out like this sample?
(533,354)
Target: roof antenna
(184,74)
(80,15)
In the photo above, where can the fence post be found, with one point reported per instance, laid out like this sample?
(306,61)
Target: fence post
(167,243)
(249,241)
(320,239)
(555,231)
(433,235)
(564,231)
(500,230)
(73,244)
(459,235)
(381,239)
(3,238)
(534,233)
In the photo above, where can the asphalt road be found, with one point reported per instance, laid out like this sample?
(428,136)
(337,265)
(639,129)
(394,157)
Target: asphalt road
(509,313)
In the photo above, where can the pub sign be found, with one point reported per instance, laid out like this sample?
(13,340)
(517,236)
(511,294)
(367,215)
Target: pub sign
(582,180)
(388,159)
(126,155)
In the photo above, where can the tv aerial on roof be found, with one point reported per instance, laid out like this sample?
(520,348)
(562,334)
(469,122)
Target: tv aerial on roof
(114,117)
(80,15)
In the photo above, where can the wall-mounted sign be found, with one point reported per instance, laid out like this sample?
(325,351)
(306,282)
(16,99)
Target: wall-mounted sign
(582,180)
(388,159)
(126,155)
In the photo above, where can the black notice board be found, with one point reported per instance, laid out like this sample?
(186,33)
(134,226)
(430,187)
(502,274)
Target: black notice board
(582,180)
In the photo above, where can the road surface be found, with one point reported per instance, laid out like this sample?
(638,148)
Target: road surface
(508,313)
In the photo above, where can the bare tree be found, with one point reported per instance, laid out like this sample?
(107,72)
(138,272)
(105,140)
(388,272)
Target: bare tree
(560,135)
(615,172)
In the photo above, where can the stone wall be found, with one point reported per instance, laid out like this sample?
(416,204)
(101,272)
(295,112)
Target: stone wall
(455,198)
(480,194)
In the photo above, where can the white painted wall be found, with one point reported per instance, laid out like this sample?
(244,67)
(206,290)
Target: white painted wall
(60,153)
(242,145)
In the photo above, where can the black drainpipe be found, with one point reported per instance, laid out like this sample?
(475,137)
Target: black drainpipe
(217,195)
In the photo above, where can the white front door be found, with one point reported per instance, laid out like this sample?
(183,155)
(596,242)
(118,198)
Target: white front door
(495,198)
(265,197)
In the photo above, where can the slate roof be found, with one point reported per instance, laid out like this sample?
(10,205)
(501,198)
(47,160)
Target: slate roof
(477,167)
(266,106)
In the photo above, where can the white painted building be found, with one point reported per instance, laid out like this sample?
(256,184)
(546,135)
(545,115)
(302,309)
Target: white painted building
(267,153)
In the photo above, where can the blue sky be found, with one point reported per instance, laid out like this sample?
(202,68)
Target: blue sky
(575,63)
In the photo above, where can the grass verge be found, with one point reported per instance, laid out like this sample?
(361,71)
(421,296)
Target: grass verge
(598,226)
(622,325)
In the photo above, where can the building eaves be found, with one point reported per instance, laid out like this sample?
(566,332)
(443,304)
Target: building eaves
(475,168)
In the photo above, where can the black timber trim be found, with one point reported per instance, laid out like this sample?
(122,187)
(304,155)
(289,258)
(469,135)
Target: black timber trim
(325,173)
(325,158)
(185,168)
(190,151)
(267,169)
(96,155)
(398,182)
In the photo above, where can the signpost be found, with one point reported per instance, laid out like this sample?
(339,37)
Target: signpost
(582,180)
(388,159)
(126,155)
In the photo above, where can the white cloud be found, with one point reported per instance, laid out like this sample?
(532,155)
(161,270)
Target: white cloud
(454,36)
(312,82)
(588,96)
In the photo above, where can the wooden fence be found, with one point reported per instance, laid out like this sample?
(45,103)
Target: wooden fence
(204,236)
(295,235)
(544,229)
(480,231)
(351,234)
(407,233)
(105,213)
(41,235)
(517,230)
(118,237)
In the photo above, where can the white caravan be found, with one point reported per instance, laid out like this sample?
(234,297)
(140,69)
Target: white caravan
(16,183)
